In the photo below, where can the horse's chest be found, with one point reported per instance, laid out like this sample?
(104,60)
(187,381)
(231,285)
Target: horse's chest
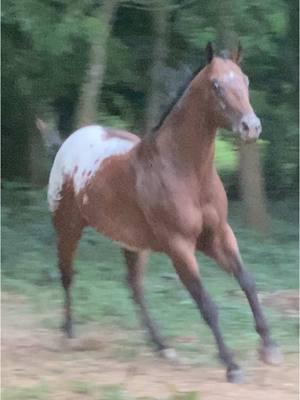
(174,211)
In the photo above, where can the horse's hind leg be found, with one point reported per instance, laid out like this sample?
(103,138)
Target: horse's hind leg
(69,227)
(136,262)
(66,247)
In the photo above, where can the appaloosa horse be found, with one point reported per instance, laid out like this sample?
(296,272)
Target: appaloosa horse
(163,194)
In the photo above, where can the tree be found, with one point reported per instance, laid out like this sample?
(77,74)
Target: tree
(159,56)
(252,188)
(48,51)
(91,88)
(250,172)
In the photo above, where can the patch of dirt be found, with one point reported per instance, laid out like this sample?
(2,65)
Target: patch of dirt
(33,354)
(284,301)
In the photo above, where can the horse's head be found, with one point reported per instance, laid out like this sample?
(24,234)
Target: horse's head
(228,95)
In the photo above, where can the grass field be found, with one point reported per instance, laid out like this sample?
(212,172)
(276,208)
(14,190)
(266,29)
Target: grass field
(102,304)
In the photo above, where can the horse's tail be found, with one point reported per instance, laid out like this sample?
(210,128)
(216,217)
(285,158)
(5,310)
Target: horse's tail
(51,137)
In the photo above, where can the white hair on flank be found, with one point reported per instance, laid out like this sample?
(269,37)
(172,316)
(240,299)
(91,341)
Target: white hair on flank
(80,157)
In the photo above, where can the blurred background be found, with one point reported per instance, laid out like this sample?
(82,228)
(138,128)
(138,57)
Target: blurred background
(120,63)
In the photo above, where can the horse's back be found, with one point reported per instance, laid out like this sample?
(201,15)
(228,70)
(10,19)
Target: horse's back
(81,156)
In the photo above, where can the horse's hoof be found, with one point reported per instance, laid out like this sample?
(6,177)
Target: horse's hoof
(169,354)
(271,354)
(235,375)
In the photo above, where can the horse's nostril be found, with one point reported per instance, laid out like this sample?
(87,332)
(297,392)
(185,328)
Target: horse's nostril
(245,126)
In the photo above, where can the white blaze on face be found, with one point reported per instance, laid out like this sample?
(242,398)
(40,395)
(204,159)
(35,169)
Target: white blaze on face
(229,77)
(80,157)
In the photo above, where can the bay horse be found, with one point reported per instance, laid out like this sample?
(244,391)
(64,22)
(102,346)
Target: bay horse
(162,193)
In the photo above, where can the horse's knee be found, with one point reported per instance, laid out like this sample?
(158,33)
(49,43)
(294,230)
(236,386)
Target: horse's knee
(136,263)
(65,264)
(134,283)
(204,302)
(66,277)
(209,309)
(245,279)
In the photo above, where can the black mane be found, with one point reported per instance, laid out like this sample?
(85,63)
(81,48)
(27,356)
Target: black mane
(179,94)
(175,100)
(225,54)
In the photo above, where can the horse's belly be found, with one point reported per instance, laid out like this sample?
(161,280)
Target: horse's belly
(117,217)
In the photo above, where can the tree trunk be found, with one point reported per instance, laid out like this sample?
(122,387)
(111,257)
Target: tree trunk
(39,162)
(250,173)
(156,93)
(252,188)
(226,37)
(51,138)
(91,88)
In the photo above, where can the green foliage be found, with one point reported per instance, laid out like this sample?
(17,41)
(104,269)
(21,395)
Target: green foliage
(45,55)
(226,156)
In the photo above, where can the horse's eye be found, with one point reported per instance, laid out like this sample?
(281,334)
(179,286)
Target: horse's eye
(216,84)
(217,87)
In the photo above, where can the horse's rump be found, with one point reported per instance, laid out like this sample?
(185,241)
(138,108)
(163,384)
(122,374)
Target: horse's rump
(81,156)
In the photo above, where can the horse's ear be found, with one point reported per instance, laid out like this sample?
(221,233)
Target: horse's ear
(209,51)
(239,54)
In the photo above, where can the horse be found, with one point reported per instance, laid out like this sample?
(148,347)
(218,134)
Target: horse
(162,193)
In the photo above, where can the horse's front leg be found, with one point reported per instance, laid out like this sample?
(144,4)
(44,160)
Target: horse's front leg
(185,263)
(136,262)
(223,248)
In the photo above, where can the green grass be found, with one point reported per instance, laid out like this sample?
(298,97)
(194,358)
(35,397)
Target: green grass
(82,387)
(38,392)
(87,390)
(100,293)
(116,392)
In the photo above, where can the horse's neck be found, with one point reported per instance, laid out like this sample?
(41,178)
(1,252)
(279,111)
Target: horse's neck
(187,136)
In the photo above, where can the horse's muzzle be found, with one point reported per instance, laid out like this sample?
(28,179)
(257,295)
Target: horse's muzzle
(250,127)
